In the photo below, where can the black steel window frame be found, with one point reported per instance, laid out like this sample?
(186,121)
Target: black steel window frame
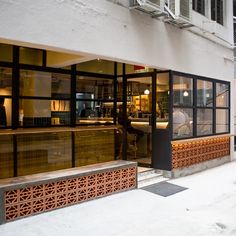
(195,107)
(10,65)
(16,66)
(113,78)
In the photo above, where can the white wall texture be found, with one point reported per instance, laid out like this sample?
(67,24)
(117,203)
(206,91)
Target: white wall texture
(106,30)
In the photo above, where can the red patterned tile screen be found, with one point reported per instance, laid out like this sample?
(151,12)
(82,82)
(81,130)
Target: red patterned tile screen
(35,199)
(194,152)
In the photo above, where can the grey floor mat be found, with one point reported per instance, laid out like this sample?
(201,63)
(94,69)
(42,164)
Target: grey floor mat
(164,189)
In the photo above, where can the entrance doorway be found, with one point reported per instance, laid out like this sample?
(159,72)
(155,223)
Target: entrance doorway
(146,111)
(139,113)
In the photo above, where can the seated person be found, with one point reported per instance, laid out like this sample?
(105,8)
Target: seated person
(3,117)
(129,128)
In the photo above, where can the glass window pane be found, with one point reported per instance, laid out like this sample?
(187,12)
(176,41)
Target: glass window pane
(60,112)
(222,120)
(139,97)
(60,85)
(5,81)
(94,88)
(204,121)
(204,93)
(6,156)
(97,66)
(43,152)
(182,123)
(31,56)
(94,146)
(222,95)
(162,100)
(90,112)
(5,111)
(44,84)
(35,83)
(36,112)
(182,91)
(6,52)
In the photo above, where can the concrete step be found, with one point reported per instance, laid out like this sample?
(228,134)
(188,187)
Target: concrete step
(150,177)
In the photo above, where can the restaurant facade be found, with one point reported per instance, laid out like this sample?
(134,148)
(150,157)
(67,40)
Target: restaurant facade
(112,83)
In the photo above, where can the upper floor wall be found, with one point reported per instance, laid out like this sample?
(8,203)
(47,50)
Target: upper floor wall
(100,28)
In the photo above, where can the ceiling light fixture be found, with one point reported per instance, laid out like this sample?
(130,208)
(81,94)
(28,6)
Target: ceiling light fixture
(185,93)
(146,92)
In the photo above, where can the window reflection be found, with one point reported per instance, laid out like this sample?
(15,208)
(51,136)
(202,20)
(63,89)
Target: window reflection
(182,123)
(43,152)
(222,95)
(94,112)
(37,112)
(31,56)
(60,85)
(222,120)
(44,84)
(95,88)
(204,121)
(5,81)
(204,93)
(182,91)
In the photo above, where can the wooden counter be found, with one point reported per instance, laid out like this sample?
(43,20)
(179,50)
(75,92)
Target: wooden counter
(55,129)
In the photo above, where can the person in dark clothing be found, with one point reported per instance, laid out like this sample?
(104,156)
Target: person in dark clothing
(3,117)
(130,129)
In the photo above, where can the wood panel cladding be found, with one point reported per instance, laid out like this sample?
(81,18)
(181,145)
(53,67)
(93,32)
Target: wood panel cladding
(197,151)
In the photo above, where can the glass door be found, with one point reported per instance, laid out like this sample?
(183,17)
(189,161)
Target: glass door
(138,113)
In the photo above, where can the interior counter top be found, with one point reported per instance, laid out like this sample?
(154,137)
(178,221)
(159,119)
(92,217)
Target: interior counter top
(54,129)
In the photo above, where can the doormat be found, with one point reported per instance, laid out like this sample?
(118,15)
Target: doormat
(164,189)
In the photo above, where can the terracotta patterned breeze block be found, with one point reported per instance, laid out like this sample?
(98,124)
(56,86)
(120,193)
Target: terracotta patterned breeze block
(194,152)
(34,199)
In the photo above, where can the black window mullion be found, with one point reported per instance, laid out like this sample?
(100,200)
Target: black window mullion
(73,97)
(124,113)
(44,62)
(214,107)
(171,104)
(115,93)
(15,87)
(195,107)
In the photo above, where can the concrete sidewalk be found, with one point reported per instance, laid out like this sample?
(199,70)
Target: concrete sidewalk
(207,207)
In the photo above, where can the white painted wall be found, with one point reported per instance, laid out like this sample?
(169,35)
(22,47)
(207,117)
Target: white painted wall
(107,30)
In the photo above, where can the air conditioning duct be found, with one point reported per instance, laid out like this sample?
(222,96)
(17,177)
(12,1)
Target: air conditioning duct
(153,7)
(179,12)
